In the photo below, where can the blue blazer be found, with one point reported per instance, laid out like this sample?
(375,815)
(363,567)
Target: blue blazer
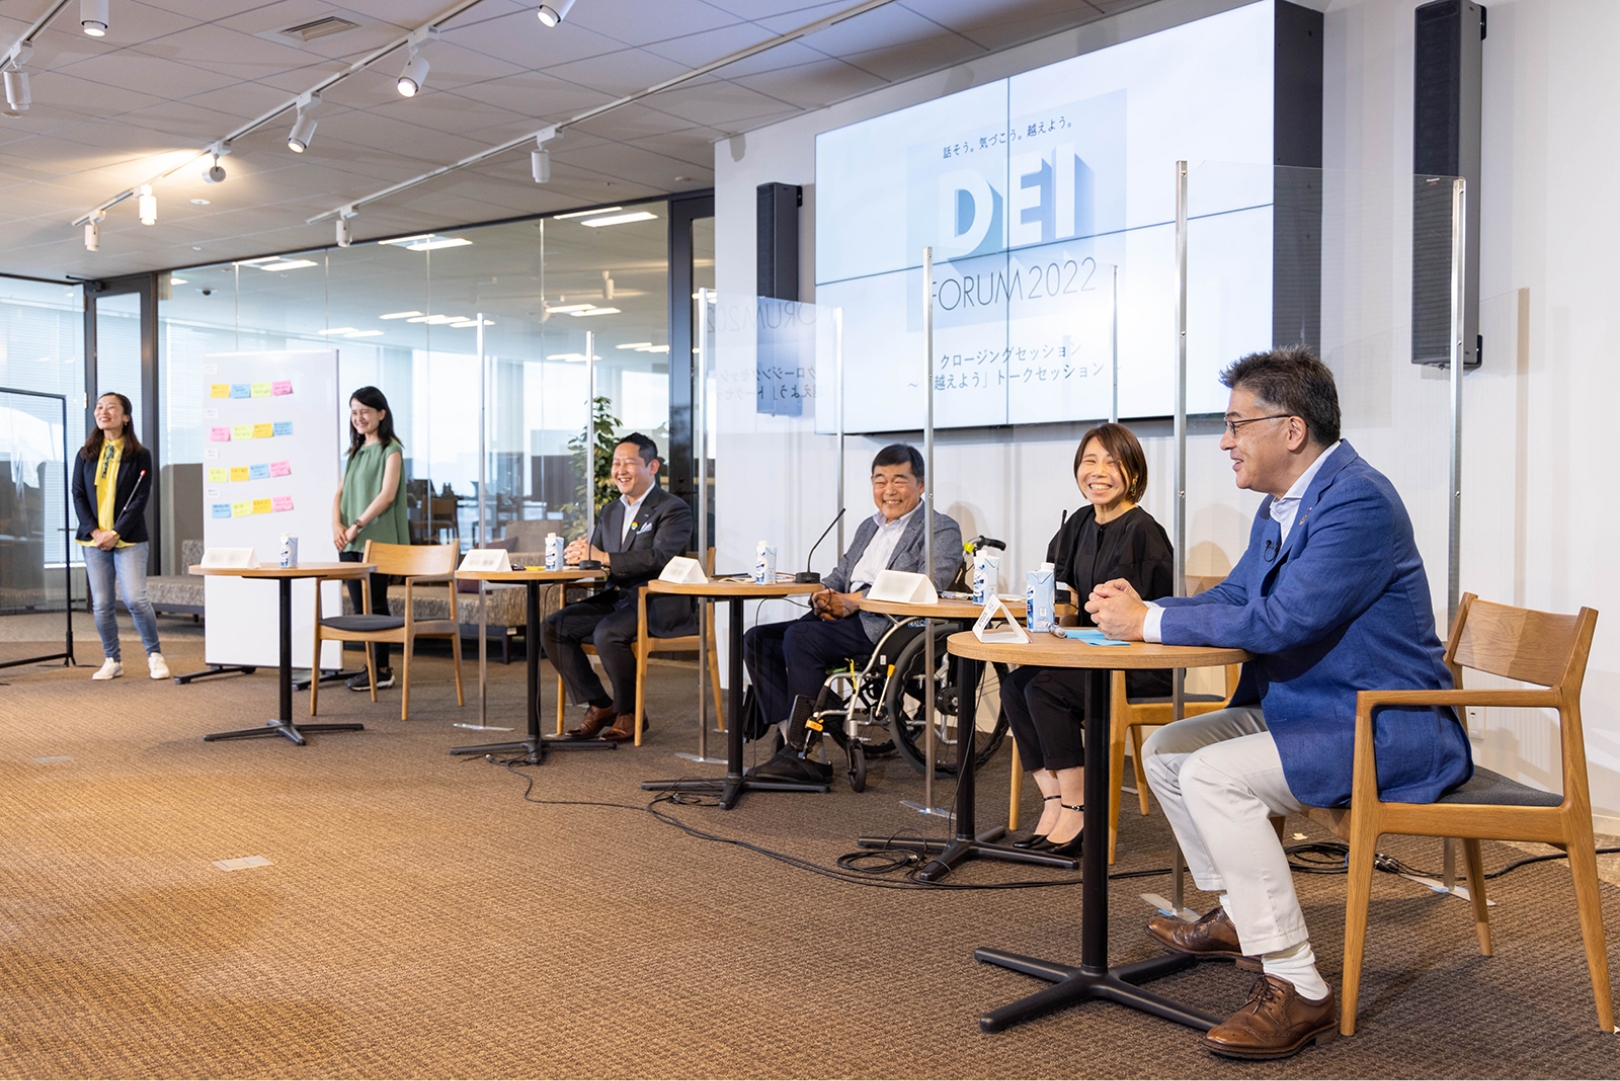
(1343,607)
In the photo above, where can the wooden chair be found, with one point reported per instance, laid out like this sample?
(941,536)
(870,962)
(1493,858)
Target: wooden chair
(1539,648)
(646,645)
(1126,720)
(419,565)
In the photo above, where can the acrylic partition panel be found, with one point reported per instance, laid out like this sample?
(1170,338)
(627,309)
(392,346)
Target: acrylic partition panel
(1349,253)
(775,476)
(35,519)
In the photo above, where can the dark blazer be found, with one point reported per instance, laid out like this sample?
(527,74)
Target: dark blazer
(129,496)
(908,556)
(661,531)
(1134,547)
(1343,607)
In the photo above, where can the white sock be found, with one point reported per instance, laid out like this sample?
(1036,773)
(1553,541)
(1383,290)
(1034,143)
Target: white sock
(1297,965)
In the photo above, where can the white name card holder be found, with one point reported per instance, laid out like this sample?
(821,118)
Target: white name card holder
(683,571)
(486,559)
(903,587)
(986,629)
(230,557)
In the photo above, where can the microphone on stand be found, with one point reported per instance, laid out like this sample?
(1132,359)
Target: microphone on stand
(807,575)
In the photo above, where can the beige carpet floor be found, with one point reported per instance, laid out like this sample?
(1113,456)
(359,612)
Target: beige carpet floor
(416,917)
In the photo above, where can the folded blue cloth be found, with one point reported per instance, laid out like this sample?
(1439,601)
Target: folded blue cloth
(1091,636)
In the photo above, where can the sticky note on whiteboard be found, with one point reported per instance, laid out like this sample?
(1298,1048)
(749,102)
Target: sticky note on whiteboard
(242,509)
(241,431)
(261,390)
(241,390)
(282,502)
(239,473)
(280,469)
(219,435)
(219,390)
(222,510)
(283,427)
(218,474)
(258,472)
(262,506)
(263,431)
(280,387)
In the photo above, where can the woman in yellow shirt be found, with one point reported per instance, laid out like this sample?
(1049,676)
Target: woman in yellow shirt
(112,480)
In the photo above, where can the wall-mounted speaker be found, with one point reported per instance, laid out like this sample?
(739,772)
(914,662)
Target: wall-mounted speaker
(776,240)
(1446,90)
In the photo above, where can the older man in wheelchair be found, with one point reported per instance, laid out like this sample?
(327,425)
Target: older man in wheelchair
(788,661)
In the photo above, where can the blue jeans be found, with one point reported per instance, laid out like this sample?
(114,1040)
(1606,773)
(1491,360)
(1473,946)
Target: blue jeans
(126,566)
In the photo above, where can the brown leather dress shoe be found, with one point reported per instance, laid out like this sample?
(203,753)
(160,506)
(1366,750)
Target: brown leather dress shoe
(623,729)
(596,719)
(1212,936)
(1274,1023)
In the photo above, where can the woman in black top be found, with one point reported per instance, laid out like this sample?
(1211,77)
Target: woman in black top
(1110,538)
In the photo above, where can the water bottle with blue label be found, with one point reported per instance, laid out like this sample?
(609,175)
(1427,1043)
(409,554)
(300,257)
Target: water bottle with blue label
(554,552)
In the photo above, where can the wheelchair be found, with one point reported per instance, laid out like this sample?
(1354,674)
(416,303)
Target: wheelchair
(877,710)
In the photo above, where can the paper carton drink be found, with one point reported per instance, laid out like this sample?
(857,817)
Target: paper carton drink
(1040,587)
(289,550)
(764,563)
(554,552)
(986,568)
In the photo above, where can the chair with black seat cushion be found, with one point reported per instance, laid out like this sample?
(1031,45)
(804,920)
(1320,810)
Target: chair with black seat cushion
(419,565)
(1545,650)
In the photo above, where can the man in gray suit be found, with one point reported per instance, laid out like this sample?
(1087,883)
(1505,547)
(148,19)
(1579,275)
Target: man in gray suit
(636,535)
(789,659)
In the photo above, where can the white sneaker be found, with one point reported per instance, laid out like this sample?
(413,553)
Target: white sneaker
(109,670)
(157,665)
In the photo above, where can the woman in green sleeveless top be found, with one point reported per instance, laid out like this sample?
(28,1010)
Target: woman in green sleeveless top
(368,506)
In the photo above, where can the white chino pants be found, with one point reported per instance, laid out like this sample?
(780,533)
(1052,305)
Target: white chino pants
(1220,780)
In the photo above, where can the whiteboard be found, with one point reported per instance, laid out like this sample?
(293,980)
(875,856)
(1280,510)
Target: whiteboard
(272,435)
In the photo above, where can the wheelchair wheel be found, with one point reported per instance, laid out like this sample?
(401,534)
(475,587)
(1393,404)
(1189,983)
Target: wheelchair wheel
(903,706)
(857,767)
(872,730)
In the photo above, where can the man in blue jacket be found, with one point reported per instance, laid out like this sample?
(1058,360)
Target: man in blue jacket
(1331,598)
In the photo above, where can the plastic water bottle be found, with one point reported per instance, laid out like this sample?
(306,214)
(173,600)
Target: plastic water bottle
(554,552)
(764,564)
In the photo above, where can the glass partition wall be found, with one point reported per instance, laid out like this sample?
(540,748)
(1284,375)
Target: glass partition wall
(404,316)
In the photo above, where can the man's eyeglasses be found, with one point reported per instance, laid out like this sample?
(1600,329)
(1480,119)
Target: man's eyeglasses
(1232,426)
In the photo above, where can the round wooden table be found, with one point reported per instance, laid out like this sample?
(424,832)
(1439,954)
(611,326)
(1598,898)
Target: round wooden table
(534,745)
(283,725)
(966,842)
(1092,978)
(737,592)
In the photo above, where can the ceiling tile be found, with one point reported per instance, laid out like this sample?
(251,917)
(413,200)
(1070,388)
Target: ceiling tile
(810,86)
(718,104)
(130,70)
(241,56)
(518,38)
(622,72)
(695,50)
(540,97)
(636,22)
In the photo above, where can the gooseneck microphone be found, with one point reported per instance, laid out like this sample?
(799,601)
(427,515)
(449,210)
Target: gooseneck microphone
(807,575)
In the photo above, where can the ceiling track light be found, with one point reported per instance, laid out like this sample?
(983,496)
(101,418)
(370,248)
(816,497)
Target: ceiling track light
(414,76)
(303,129)
(93,17)
(17,96)
(148,205)
(553,13)
(540,157)
(344,236)
(92,235)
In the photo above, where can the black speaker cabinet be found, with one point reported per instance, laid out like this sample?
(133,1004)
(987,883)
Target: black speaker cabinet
(1447,59)
(776,238)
